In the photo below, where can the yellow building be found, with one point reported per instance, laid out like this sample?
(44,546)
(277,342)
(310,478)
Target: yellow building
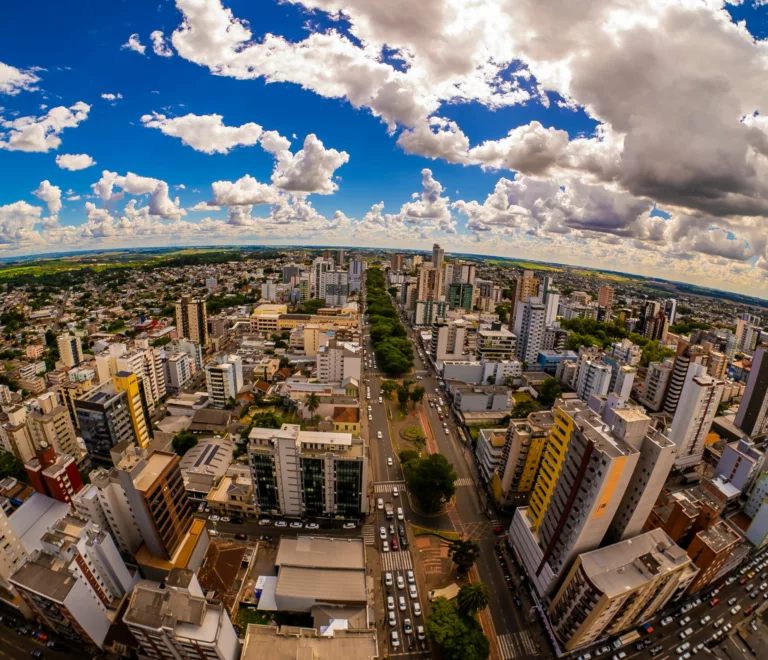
(555,448)
(311,339)
(126,381)
(346,420)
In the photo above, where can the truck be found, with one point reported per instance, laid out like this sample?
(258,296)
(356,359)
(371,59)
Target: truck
(388,510)
(451,591)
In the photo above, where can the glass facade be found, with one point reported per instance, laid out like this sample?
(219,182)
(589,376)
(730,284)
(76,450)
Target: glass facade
(264,480)
(349,486)
(313,486)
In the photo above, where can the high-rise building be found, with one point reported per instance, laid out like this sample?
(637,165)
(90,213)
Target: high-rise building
(655,327)
(449,340)
(430,283)
(397,262)
(437,256)
(613,589)
(75,581)
(105,420)
(670,310)
(594,379)
(657,457)
(648,310)
(605,296)
(693,418)
(15,435)
(340,256)
(176,620)
(336,288)
(655,386)
(177,370)
(356,272)
(747,333)
(338,361)
(495,344)
(308,473)
(126,381)
(224,379)
(49,422)
(531,337)
(686,355)
(752,416)
(54,476)
(718,365)
(320,266)
(460,296)
(528,286)
(192,320)
(70,349)
(710,550)
(429,312)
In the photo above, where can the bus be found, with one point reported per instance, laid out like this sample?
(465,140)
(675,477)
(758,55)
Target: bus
(626,638)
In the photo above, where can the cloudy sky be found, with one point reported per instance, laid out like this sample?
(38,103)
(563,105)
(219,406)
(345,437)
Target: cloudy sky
(624,134)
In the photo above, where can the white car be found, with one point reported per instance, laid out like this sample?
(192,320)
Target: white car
(313,526)
(385,546)
(420,634)
(296,525)
(407,627)
(383,533)
(264,522)
(214,518)
(416,609)
(395,492)
(379,504)
(225,519)
(370,417)
(400,582)
(401,603)
(705,620)
(392,619)
(381,400)
(387,579)
(281,523)
(400,515)
(389,461)
(410,577)
(390,603)
(378,435)
(412,591)
(395,639)
(447,432)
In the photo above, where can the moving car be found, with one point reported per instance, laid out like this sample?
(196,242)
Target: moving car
(395,491)
(412,591)
(349,525)
(400,515)
(383,533)
(296,525)
(378,435)
(407,627)
(420,635)
(390,603)
(392,619)
(395,639)
(265,522)
(410,577)
(385,546)
(400,582)
(389,461)
(379,504)
(281,523)
(388,579)
(401,603)
(416,608)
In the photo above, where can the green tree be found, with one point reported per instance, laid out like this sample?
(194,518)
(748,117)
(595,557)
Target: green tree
(313,403)
(183,441)
(459,637)
(473,597)
(417,394)
(388,386)
(230,404)
(464,554)
(393,291)
(550,390)
(524,408)
(403,397)
(431,480)
(408,455)
(267,420)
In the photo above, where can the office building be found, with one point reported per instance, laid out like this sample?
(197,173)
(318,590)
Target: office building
(670,310)
(429,283)
(176,620)
(594,379)
(710,550)
(308,473)
(697,408)
(126,381)
(460,296)
(224,379)
(655,386)
(613,589)
(192,320)
(104,420)
(49,422)
(686,355)
(53,475)
(320,266)
(657,457)
(497,343)
(70,349)
(336,288)
(605,296)
(449,341)
(531,337)
(752,417)
(437,256)
(75,581)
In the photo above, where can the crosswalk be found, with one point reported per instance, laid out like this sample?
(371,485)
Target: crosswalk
(396,561)
(517,645)
(464,481)
(387,488)
(369,534)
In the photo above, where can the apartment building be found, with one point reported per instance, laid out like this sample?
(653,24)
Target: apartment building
(49,422)
(449,340)
(105,420)
(308,473)
(496,344)
(224,379)
(740,464)
(613,589)
(70,349)
(429,284)
(15,434)
(54,476)
(177,369)
(687,355)
(176,620)
(460,296)
(477,398)
(709,550)
(655,386)
(532,327)
(190,348)
(336,288)
(126,381)
(192,320)
(594,379)
(338,361)
(429,312)
(605,296)
(145,363)
(490,447)
(752,416)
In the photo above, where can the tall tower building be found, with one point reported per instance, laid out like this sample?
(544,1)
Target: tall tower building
(697,408)
(320,267)
(192,320)
(670,310)
(605,296)
(532,328)
(437,256)
(752,417)
(594,378)
(126,381)
(49,422)
(687,354)
(224,379)
(429,284)
(105,420)
(70,349)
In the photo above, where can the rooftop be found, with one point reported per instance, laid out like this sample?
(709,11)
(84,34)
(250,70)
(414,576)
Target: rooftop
(291,643)
(719,537)
(325,552)
(46,575)
(156,464)
(322,584)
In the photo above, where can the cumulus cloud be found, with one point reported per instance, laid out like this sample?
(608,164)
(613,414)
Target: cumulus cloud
(134,44)
(74,162)
(51,195)
(41,134)
(160,44)
(246,190)
(112,97)
(206,133)
(160,203)
(205,206)
(13,80)
(17,222)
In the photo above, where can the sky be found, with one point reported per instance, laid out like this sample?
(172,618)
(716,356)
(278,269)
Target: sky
(617,134)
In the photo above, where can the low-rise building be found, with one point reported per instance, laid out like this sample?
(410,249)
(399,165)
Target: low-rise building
(468,398)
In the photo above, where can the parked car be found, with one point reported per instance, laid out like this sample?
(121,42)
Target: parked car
(349,525)
(225,519)
(281,523)
(296,525)
(214,518)
(380,504)
(264,522)
(241,537)
(313,526)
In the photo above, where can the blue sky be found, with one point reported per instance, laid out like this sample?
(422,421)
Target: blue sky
(577,135)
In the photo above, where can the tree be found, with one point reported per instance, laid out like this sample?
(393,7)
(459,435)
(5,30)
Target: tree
(417,394)
(473,597)
(464,554)
(388,386)
(459,637)
(523,409)
(550,390)
(183,441)
(431,480)
(230,404)
(403,397)
(408,455)
(393,291)
(267,420)
(50,337)
(313,403)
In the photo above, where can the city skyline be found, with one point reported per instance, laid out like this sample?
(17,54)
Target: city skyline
(154,125)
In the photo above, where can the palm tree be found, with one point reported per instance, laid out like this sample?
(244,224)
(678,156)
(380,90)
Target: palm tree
(313,403)
(473,597)
(464,554)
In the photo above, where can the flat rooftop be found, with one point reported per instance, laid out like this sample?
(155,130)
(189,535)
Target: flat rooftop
(321,552)
(719,537)
(322,584)
(292,643)
(155,465)
(45,575)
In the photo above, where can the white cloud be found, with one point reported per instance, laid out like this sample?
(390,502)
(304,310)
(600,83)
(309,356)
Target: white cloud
(51,195)
(244,191)
(206,133)
(73,162)
(134,44)
(160,44)
(41,134)
(205,206)
(112,97)
(13,80)
(162,205)
(73,198)
(17,222)
(309,170)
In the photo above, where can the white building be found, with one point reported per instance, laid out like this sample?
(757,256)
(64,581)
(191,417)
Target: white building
(356,270)
(532,326)
(594,378)
(490,447)
(625,379)
(336,288)
(449,341)
(695,411)
(338,361)
(224,379)
(177,370)
(190,348)
(70,349)
(655,385)
(497,343)
(627,352)
(269,291)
